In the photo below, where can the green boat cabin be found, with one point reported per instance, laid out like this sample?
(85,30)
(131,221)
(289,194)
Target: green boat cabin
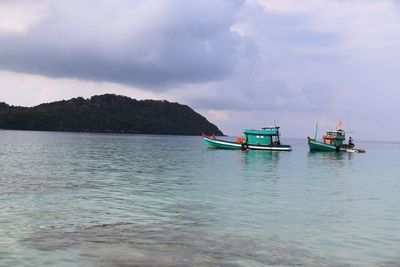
(334,138)
(267,136)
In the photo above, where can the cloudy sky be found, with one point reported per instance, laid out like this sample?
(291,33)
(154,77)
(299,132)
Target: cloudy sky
(242,64)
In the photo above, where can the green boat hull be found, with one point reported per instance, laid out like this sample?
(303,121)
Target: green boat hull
(320,146)
(221,145)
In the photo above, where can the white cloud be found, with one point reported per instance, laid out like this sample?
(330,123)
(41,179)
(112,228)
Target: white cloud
(367,29)
(217,115)
(30,90)
(16,17)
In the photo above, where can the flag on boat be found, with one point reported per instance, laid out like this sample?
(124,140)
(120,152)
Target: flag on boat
(340,125)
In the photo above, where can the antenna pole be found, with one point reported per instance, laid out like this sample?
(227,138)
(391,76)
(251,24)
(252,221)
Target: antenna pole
(316,130)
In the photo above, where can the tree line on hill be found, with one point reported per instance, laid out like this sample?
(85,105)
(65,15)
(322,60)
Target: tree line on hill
(107,113)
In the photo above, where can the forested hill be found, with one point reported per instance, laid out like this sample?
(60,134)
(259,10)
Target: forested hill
(107,114)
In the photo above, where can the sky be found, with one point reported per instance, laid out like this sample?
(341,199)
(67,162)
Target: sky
(241,64)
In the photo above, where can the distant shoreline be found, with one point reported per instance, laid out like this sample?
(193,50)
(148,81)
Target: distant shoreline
(105,133)
(108,114)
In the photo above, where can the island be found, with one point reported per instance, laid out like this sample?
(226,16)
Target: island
(108,113)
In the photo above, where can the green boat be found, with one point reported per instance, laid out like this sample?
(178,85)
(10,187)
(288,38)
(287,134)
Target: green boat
(265,139)
(333,141)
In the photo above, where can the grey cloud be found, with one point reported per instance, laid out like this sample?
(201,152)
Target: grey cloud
(268,95)
(152,44)
(159,45)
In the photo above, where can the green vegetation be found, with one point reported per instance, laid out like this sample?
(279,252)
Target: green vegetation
(107,114)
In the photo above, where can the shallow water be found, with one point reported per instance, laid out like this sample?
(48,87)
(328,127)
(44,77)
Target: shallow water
(70,199)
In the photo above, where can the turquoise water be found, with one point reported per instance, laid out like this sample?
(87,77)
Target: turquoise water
(70,199)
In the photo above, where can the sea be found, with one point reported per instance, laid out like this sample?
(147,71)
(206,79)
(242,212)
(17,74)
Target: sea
(119,200)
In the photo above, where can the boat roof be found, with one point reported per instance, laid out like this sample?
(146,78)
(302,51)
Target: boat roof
(270,127)
(336,131)
(264,131)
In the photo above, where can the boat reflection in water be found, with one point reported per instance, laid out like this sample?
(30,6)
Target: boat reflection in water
(255,159)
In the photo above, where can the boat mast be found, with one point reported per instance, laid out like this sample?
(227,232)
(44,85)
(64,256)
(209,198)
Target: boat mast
(277,131)
(316,130)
